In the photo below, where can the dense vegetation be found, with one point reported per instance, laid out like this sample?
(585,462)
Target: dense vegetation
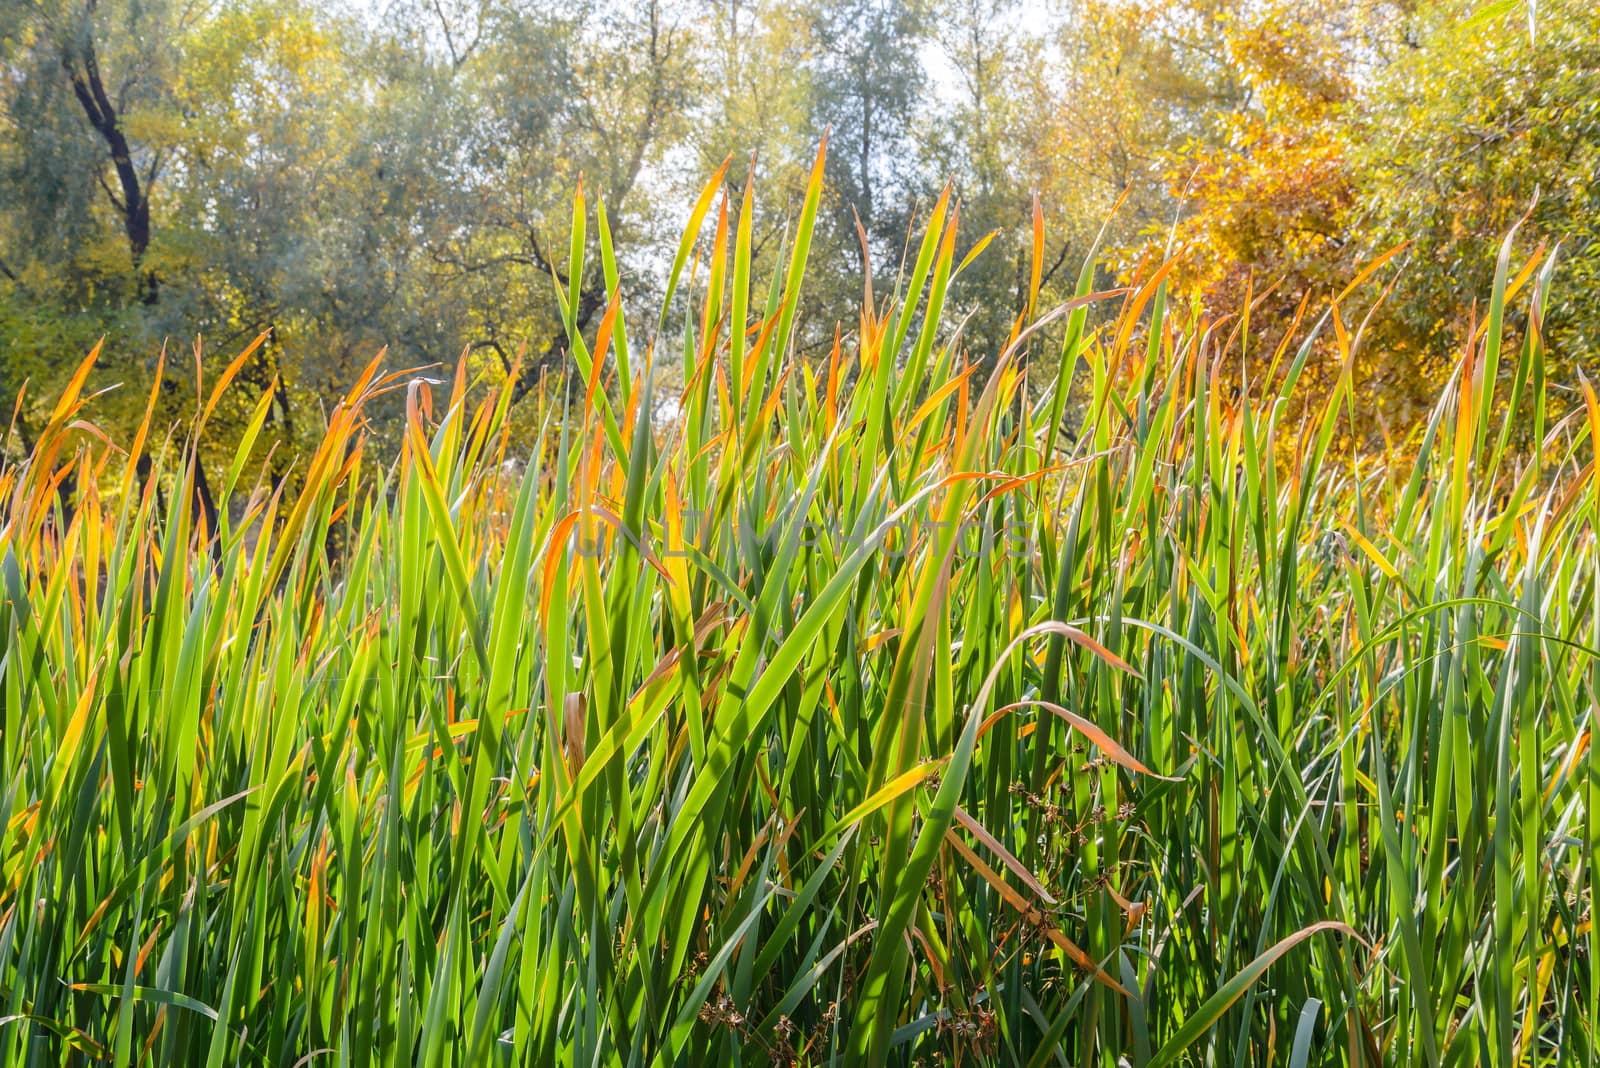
(348,174)
(1111,712)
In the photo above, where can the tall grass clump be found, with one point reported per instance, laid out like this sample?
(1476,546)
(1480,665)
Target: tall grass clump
(880,708)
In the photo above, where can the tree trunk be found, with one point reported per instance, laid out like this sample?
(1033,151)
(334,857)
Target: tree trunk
(133,205)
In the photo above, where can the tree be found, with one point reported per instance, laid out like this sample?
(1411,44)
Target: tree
(552,95)
(83,151)
(1371,126)
(982,138)
(868,85)
(754,102)
(1085,115)
(1481,118)
(405,179)
(1002,137)
(267,165)
(1266,204)
(1263,205)
(112,58)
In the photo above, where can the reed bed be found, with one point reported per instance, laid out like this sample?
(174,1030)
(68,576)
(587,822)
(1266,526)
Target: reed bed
(1089,703)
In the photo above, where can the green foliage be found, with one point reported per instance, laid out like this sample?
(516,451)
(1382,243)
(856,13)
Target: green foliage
(847,718)
(1485,118)
(350,179)
(1367,127)
(869,78)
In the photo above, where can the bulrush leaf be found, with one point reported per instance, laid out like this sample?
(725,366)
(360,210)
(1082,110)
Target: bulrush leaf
(871,700)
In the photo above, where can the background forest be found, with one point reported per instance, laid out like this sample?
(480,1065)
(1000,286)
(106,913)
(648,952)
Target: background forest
(350,176)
